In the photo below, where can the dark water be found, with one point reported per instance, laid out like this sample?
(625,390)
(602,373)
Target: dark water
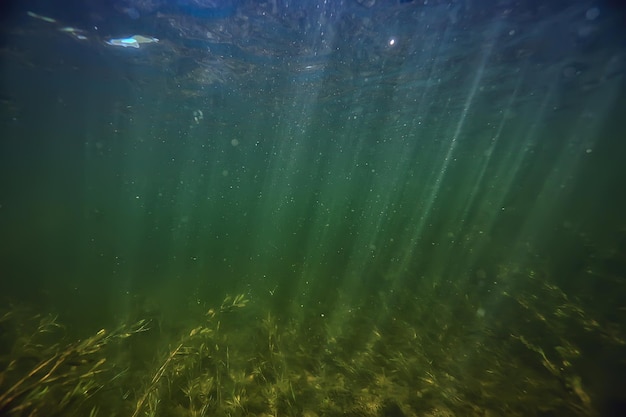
(285,208)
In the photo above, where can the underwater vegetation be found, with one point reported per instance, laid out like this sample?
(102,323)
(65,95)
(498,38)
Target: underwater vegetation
(415,358)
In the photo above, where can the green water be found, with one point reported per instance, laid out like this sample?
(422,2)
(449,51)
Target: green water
(410,236)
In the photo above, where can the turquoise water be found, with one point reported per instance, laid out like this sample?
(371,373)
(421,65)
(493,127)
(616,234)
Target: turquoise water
(278,209)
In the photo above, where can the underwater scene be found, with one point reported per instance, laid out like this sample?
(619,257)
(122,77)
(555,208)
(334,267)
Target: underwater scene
(312,208)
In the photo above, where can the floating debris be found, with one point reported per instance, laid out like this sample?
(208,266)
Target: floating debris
(41,17)
(76,33)
(132,42)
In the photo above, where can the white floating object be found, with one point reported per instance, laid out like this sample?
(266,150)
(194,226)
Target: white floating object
(76,33)
(41,17)
(126,42)
(132,42)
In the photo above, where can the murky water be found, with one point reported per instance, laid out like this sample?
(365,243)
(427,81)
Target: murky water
(357,208)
